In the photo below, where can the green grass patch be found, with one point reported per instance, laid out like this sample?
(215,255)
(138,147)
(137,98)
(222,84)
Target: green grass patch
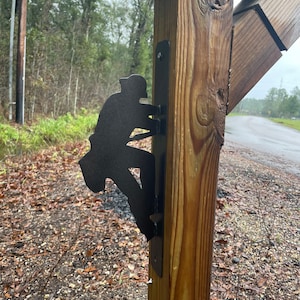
(288,122)
(236,114)
(16,139)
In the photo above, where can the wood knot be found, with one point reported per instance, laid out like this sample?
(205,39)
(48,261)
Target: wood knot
(217,4)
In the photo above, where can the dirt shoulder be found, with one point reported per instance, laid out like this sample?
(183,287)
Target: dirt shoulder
(256,249)
(60,241)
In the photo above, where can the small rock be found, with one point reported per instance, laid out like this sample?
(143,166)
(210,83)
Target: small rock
(271,243)
(235,260)
(72,285)
(19,244)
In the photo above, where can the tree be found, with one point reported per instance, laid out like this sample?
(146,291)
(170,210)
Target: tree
(77,50)
(141,38)
(250,106)
(272,102)
(70,47)
(296,92)
(5,13)
(290,107)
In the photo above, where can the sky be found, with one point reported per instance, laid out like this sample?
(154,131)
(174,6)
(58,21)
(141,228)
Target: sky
(285,73)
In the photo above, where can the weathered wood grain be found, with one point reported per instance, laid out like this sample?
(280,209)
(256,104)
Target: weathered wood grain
(284,15)
(262,28)
(254,52)
(199,33)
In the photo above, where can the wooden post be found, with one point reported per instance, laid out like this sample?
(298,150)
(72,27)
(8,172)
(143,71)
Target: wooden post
(200,39)
(21,58)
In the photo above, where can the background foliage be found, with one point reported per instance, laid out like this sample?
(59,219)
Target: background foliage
(277,104)
(76,52)
(16,140)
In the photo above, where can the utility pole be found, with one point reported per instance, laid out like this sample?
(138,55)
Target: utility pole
(11,53)
(21,60)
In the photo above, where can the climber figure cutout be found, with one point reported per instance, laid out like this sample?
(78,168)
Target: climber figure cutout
(111,156)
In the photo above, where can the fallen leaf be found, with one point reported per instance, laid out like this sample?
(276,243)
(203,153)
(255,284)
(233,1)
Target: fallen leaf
(19,272)
(90,269)
(261,282)
(134,276)
(89,252)
(222,241)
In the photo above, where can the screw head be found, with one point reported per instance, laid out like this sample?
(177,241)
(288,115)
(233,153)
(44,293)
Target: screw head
(159,56)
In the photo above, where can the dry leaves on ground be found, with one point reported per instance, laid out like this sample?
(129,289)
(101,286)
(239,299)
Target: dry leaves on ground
(60,241)
(256,249)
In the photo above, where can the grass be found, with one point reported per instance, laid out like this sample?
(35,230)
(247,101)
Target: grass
(236,114)
(15,139)
(288,122)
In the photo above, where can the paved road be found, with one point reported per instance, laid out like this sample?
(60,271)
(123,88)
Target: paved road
(266,137)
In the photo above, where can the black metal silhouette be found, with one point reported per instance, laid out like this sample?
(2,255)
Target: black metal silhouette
(111,156)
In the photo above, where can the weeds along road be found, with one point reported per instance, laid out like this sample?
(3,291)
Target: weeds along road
(272,143)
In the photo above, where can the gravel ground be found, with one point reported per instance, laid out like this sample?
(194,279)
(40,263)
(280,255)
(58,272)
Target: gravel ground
(60,241)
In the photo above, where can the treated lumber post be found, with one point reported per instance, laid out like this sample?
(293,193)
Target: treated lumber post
(200,39)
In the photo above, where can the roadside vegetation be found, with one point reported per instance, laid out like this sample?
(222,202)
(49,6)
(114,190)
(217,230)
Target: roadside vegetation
(278,103)
(76,52)
(295,124)
(15,139)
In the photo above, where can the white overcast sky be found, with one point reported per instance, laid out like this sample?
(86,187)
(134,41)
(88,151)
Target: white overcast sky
(284,74)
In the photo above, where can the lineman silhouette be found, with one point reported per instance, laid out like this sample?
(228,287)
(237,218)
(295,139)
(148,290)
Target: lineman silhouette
(111,157)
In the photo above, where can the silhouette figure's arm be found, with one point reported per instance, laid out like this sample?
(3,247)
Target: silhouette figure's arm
(146,122)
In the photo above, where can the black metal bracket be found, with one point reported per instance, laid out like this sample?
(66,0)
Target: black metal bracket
(161,96)
(111,155)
